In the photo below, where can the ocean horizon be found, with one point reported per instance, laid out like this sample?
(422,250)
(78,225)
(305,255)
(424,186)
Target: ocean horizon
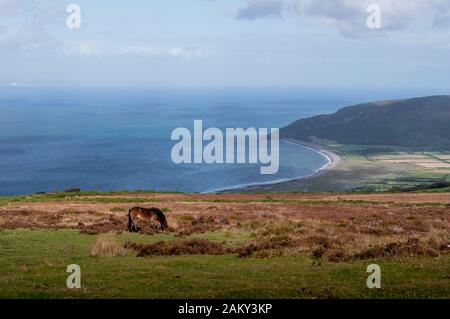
(53,139)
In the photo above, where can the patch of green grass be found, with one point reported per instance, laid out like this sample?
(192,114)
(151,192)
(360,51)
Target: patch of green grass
(356,157)
(403,181)
(424,176)
(437,190)
(363,150)
(79,198)
(123,200)
(84,195)
(33,265)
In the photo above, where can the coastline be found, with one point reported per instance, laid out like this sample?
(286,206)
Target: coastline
(333,161)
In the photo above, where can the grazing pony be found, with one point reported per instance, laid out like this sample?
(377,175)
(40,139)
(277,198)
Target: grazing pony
(150,215)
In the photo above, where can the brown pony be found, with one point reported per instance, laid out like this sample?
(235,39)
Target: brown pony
(151,215)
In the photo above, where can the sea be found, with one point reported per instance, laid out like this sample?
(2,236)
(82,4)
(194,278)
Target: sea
(107,139)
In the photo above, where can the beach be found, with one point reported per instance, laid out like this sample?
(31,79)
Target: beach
(333,161)
(333,158)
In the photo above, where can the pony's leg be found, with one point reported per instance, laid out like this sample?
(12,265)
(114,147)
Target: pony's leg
(135,226)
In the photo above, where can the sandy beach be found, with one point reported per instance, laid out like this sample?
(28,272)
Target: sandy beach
(333,158)
(333,161)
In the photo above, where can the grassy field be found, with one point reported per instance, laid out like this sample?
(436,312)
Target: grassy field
(396,168)
(371,169)
(35,262)
(227,246)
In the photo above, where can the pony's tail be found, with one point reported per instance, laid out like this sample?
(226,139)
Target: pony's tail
(165,223)
(130,222)
(162,219)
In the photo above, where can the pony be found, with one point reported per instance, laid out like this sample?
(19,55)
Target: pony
(151,215)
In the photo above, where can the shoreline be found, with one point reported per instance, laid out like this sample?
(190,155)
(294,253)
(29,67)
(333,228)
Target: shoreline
(333,161)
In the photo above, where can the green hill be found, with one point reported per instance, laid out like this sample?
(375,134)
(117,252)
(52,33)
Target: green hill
(414,123)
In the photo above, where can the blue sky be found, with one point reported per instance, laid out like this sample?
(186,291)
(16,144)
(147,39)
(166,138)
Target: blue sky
(244,43)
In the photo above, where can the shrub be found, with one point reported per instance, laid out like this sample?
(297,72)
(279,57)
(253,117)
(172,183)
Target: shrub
(410,248)
(319,252)
(337,256)
(107,246)
(73,190)
(176,248)
(321,240)
(274,243)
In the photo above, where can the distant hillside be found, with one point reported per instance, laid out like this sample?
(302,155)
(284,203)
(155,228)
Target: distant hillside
(415,123)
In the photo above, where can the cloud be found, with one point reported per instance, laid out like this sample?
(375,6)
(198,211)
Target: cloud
(23,24)
(14,84)
(349,16)
(11,8)
(85,49)
(26,28)
(24,40)
(255,9)
(147,51)
(188,52)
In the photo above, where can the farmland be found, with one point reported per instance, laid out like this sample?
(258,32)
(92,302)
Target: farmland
(366,168)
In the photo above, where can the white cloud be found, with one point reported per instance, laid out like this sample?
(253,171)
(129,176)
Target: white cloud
(14,84)
(349,16)
(147,51)
(188,52)
(85,49)
(255,9)
(23,27)
(11,8)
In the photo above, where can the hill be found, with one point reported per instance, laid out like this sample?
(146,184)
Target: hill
(415,123)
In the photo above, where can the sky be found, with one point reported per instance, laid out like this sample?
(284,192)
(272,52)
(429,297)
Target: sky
(232,43)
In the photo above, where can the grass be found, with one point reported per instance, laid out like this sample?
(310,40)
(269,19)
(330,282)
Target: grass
(118,210)
(435,191)
(417,175)
(33,265)
(127,200)
(63,196)
(363,150)
(401,176)
(263,247)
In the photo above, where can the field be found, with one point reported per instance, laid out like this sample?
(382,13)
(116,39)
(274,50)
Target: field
(227,246)
(427,160)
(365,168)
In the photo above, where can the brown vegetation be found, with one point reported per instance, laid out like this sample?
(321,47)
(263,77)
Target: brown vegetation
(175,248)
(277,224)
(107,246)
